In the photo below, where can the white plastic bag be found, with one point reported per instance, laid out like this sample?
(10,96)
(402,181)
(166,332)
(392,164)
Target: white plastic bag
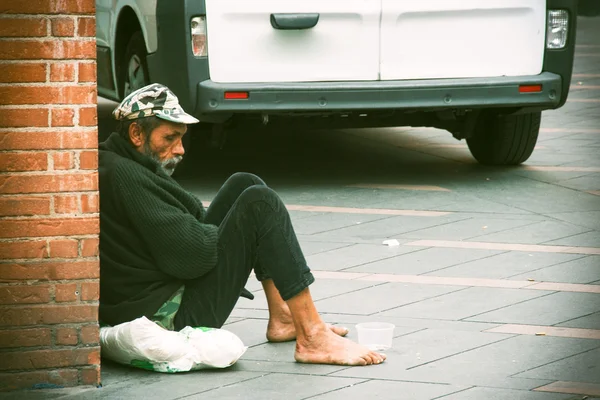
(144,344)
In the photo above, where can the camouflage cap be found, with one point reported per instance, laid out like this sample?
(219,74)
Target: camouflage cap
(154,99)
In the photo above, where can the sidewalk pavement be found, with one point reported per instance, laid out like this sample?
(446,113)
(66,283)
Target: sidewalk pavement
(494,288)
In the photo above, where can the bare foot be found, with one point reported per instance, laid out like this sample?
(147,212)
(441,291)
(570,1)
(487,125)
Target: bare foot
(284,330)
(325,347)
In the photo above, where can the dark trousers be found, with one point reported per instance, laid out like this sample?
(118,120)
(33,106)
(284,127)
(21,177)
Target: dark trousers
(255,232)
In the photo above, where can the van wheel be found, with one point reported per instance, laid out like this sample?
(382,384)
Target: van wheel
(133,71)
(505,139)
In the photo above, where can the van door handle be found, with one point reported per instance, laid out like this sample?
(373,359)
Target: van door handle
(294,21)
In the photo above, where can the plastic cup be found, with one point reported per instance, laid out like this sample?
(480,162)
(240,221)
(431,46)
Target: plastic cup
(375,335)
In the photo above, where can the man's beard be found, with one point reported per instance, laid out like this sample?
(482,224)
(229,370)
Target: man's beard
(167,165)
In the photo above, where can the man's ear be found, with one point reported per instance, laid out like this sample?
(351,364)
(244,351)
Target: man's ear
(136,135)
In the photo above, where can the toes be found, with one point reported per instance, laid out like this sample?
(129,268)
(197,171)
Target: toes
(377,357)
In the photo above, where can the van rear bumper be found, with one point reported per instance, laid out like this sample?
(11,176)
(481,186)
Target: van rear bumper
(422,95)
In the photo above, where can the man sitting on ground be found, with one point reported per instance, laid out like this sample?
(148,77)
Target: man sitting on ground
(163,256)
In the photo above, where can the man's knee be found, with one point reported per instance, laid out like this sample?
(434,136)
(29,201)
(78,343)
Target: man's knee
(245,179)
(260,192)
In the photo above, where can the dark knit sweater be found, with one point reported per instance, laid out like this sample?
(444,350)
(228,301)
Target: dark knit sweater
(152,235)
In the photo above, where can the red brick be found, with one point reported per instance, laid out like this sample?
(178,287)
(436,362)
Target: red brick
(37,359)
(49,140)
(90,291)
(50,270)
(90,376)
(40,227)
(66,292)
(90,203)
(66,204)
(22,72)
(21,27)
(25,338)
(29,249)
(90,334)
(87,72)
(19,95)
(28,49)
(48,314)
(63,26)
(48,183)
(62,72)
(88,116)
(24,205)
(66,337)
(64,248)
(20,117)
(86,26)
(24,294)
(63,117)
(63,160)
(27,380)
(12,162)
(48,7)
(89,247)
(88,160)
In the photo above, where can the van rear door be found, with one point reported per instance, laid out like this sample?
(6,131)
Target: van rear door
(461,38)
(245,45)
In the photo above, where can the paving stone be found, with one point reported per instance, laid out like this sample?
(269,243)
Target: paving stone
(411,200)
(299,215)
(591,321)
(536,233)
(504,265)
(333,221)
(465,303)
(588,239)
(387,390)
(167,386)
(288,367)
(428,345)
(421,261)
(547,310)
(589,219)
(479,393)
(250,313)
(328,196)
(339,259)
(270,386)
(252,332)
(391,227)
(415,324)
(587,182)
(493,364)
(581,270)
(578,368)
(467,228)
(310,248)
(384,296)
(533,196)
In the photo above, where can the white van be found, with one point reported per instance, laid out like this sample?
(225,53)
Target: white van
(481,69)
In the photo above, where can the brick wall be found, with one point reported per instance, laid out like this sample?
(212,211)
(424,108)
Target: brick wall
(48,194)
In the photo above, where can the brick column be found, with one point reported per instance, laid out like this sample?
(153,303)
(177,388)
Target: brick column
(49,221)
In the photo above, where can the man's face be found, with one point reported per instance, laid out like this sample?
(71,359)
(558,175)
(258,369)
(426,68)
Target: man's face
(164,145)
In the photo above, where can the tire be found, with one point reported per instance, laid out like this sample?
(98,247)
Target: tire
(133,69)
(505,139)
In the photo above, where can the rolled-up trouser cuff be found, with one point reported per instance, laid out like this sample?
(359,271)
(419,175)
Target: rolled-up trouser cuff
(292,290)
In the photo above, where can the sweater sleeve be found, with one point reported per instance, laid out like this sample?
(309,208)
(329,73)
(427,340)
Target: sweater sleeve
(180,244)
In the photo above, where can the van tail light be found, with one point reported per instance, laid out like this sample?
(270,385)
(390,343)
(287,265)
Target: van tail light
(557,29)
(199,45)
